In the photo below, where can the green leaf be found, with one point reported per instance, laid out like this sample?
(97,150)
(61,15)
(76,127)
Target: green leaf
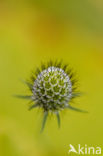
(58,118)
(26,97)
(33,106)
(44,121)
(77,109)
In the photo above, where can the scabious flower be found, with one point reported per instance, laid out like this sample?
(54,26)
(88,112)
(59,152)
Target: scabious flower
(53,87)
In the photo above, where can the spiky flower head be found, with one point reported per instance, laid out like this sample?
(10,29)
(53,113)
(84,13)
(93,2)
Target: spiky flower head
(52,88)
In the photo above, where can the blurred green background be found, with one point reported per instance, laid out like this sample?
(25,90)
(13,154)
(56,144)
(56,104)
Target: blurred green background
(32,31)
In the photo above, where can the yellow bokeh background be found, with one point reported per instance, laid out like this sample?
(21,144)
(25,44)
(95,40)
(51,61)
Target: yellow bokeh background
(32,32)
